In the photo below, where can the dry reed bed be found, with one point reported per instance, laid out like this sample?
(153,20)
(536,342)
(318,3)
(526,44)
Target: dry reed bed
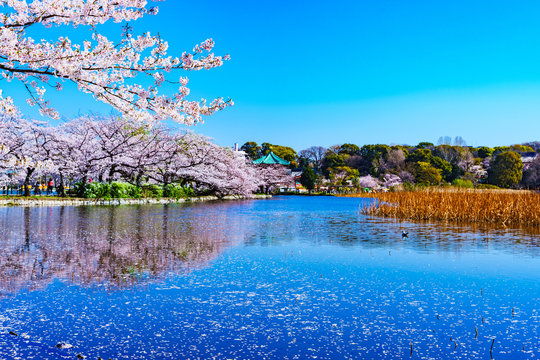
(500,207)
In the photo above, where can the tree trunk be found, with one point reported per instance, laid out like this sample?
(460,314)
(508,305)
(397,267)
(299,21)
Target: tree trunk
(29,172)
(80,193)
(139,179)
(61,190)
(111,173)
(164,186)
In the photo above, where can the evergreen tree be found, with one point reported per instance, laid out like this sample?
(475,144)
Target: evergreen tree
(308,178)
(506,170)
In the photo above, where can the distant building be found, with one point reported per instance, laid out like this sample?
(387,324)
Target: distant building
(271,159)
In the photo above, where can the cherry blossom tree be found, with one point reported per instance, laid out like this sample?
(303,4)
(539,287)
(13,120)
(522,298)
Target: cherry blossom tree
(109,71)
(272,176)
(110,149)
(26,150)
(210,167)
(10,142)
(369,181)
(391,180)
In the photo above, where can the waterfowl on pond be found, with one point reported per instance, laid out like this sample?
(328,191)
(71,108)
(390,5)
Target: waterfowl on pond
(404,234)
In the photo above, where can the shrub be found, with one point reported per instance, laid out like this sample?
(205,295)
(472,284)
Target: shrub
(463,183)
(408,186)
(487,186)
(120,190)
(152,191)
(177,191)
(115,190)
(101,190)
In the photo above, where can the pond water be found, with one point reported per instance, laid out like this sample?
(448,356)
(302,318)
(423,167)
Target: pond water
(286,278)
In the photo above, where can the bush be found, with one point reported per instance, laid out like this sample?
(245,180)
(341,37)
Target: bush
(152,191)
(115,190)
(408,186)
(463,183)
(177,191)
(100,190)
(487,186)
(93,190)
(121,190)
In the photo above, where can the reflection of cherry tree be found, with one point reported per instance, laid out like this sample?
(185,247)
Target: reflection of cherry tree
(98,66)
(113,246)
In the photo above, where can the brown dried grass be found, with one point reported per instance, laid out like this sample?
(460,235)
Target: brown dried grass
(498,207)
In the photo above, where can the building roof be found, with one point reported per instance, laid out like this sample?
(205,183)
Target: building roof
(271,158)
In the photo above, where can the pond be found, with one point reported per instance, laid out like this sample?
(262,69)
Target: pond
(285,278)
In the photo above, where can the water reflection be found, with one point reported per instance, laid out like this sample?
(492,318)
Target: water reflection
(279,279)
(106,246)
(118,247)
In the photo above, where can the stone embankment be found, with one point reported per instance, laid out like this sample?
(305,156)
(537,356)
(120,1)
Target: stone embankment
(17,201)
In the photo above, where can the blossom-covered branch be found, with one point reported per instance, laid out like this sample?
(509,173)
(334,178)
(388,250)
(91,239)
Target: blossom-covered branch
(99,66)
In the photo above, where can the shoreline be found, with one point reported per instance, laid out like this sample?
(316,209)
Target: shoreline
(31,202)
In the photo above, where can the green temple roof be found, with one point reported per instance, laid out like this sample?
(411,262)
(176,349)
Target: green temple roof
(271,158)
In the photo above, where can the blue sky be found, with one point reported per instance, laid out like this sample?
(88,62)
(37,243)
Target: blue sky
(314,72)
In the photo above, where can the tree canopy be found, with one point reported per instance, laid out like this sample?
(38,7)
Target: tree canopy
(308,179)
(506,169)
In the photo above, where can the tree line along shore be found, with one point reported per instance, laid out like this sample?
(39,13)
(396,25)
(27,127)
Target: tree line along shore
(349,168)
(96,157)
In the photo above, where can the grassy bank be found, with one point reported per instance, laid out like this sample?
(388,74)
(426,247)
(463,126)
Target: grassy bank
(500,207)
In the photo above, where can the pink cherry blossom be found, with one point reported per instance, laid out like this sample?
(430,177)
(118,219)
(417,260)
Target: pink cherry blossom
(105,69)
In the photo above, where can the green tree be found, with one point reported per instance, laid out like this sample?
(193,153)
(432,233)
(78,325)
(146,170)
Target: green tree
(308,179)
(371,157)
(252,150)
(427,174)
(425,145)
(521,148)
(484,152)
(444,166)
(332,161)
(506,169)
(349,149)
(284,152)
(423,155)
(499,149)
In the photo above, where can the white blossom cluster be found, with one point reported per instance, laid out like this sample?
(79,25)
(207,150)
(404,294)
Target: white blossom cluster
(113,149)
(99,66)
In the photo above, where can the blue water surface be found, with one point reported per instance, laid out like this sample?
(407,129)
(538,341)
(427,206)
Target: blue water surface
(286,278)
